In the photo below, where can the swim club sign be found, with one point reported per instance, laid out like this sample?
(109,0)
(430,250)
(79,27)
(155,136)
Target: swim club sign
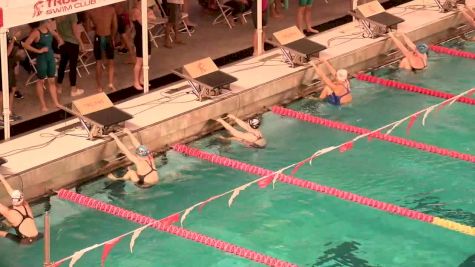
(19,12)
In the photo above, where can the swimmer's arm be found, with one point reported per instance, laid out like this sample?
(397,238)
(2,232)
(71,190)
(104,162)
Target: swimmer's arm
(470,19)
(57,37)
(329,67)
(31,38)
(134,140)
(123,148)
(322,75)
(409,42)
(399,45)
(241,123)
(4,210)
(6,185)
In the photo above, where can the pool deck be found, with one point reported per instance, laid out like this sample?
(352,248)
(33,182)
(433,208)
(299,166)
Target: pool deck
(160,121)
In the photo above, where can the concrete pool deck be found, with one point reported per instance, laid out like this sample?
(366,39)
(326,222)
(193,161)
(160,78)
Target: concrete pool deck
(161,119)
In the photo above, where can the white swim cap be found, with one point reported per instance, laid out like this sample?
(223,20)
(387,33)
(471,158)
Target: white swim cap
(17,197)
(342,75)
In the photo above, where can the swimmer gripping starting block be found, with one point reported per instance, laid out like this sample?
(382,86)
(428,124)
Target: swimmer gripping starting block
(97,114)
(374,18)
(296,48)
(205,78)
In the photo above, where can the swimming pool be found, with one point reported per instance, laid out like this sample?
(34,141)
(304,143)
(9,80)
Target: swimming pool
(294,224)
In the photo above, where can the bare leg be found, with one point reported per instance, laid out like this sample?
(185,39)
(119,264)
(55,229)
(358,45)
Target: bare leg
(308,19)
(110,71)
(125,38)
(41,94)
(168,31)
(186,9)
(300,17)
(53,92)
(137,71)
(99,75)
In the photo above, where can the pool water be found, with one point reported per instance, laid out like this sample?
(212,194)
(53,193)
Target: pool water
(294,224)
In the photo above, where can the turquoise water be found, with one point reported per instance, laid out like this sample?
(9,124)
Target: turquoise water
(291,223)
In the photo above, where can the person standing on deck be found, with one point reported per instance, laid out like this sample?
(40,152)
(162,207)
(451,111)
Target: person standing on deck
(20,216)
(304,16)
(146,174)
(104,20)
(68,29)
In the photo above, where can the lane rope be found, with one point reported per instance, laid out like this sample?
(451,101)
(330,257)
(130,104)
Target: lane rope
(411,88)
(376,204)
(452,52)
(358,130)
(171,229)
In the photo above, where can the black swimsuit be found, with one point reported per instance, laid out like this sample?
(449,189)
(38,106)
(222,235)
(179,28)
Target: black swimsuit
(19,237)
(141,182)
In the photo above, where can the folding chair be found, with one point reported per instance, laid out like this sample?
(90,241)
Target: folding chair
(205,78)
(158,27)
(184,27)
(374,19)
(87,54)
(225,11)
(295,47)
(33,76)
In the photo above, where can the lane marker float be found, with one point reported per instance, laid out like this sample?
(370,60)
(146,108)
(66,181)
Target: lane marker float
(411,88)
(357,130)
(171,229)
(376,204)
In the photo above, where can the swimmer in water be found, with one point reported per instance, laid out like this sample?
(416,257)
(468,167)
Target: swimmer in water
(415,56)
(337,90)
(20,216)
(146,174)
(469,15)
(252,136)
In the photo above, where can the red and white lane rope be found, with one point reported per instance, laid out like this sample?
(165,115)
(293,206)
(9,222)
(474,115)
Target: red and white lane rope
(279,176)
(171,229)
(393,139)
(411,88)
(452,52)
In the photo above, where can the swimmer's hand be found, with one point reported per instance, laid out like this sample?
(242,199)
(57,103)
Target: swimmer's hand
(231,116)
(113,136)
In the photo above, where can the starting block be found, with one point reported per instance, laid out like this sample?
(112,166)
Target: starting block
(98,115)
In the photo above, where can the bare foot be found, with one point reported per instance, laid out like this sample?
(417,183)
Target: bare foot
(168,45)
(77,92)
(100,90)
(312,30)
(111,87)
(44,109)
(138,86)
(180,42)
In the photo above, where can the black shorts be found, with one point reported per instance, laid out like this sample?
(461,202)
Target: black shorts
(174,13)
(103,46)
(139,47)
(265,15)
(24,240)
(122,23)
